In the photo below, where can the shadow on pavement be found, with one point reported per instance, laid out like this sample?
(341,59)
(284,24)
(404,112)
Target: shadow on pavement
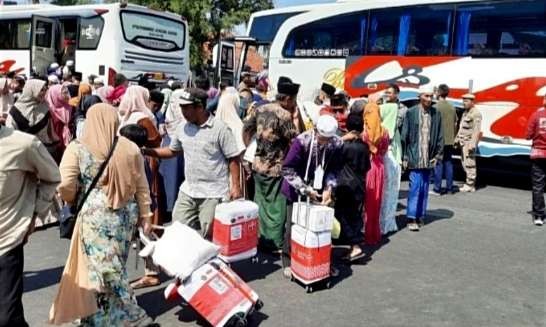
(154,302)
(250,271)
(188,315)
(35,280)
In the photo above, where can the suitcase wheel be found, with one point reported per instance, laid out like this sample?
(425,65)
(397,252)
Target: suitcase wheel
(309,289)
(259,305)
(238,320)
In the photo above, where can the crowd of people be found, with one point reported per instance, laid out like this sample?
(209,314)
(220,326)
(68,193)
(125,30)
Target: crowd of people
(173,152)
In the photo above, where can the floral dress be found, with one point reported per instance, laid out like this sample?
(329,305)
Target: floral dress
(106,235)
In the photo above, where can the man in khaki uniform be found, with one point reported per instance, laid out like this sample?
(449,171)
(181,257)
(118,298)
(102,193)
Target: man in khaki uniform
(467,138)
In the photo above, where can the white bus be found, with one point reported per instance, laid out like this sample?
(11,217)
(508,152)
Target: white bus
(101,39)
(496,49)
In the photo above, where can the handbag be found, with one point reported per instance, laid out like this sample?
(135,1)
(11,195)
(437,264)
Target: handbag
(69,213)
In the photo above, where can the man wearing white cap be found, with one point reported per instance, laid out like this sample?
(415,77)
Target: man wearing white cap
(98,82)
(467,138)
(422,146)
(310,168)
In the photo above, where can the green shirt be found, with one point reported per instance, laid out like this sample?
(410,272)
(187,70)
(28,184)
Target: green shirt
(449,120)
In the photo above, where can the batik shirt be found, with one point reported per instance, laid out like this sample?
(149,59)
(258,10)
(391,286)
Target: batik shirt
(274,130)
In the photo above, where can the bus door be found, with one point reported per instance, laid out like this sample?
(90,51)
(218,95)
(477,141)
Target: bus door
(43,44)
(248,45)
(226,68)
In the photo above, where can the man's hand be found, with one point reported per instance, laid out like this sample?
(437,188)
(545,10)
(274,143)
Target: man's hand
(327,197)
(31,229)
(313,195)
(235,192)
(405,164)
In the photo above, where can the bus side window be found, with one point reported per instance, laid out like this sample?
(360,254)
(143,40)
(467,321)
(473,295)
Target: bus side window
(417,30)
(514,28)
(338,37)
(90,32)
(15,34)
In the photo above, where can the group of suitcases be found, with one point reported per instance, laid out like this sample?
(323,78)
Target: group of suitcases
(203,277)
(311,244)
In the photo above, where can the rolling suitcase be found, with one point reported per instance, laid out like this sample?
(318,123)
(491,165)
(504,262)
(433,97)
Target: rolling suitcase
(310,254)
(217,294)
(235,230)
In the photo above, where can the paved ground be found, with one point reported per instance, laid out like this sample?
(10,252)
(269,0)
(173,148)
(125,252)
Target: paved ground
(477,262)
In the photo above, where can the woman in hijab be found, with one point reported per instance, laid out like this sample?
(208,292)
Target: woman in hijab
(83,90)
(30,114)
(94,286)
(172,170)
(228,107)
(104,92)
(377,139)
(61,113)
(87,102)
(120,87)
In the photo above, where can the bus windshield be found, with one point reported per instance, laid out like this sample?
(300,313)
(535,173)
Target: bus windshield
(153,32)
(264,28)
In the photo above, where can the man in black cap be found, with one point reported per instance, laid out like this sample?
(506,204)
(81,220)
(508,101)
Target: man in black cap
(325,93)
(275,125)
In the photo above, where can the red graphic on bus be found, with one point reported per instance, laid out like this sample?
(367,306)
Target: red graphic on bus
(368,75)
(5,67)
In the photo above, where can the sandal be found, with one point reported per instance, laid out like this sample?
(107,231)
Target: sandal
(146,281)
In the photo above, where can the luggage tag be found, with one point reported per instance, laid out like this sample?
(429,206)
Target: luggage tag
(319,177)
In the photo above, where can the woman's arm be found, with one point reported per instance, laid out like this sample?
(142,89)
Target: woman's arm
(70,171)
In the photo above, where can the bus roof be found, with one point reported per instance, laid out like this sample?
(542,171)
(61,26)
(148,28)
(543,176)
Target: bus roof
(47,10)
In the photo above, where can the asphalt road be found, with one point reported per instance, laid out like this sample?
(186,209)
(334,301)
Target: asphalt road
(478,262)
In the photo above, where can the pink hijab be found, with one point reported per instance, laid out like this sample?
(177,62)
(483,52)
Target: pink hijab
(135,100)
(61,113)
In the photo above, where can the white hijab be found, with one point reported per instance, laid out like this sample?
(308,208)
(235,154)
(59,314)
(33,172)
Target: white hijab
(228,106)
(173,113)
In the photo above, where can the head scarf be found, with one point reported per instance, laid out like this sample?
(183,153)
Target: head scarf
(126,165)
(83,90)
(103,93)
(135,100)
(116,94)
(61,113)
(29,105)
(372,126)
(173,115)
(227,111)
(87,102)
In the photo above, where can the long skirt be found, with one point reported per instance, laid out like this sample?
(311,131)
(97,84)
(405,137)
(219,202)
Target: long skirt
(272,204)
(372,204)
(172,171)
(391,188)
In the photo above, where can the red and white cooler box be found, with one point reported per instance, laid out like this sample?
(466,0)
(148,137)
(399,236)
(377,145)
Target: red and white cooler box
(310,255)
(313,217)
(235,230)
(217,293)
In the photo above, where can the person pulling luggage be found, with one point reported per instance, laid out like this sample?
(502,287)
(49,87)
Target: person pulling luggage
(310,169)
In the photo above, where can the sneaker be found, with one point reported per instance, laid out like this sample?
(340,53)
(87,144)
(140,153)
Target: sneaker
(538,221)
(413,226)
(287,273)
(433,192)
(467,189)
